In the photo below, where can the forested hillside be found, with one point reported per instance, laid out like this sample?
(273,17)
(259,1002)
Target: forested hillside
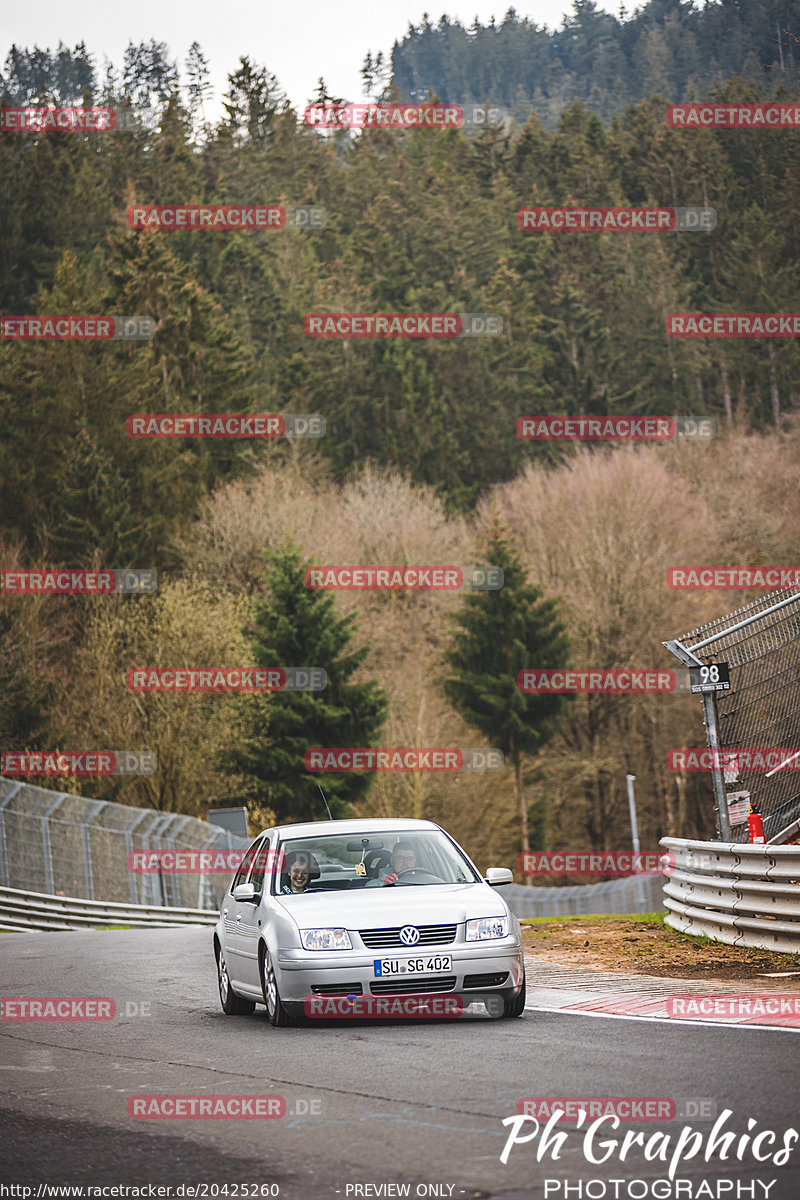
(420,453)
(424,220)
(669,47)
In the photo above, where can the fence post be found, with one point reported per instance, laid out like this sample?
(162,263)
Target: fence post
(720,798)
(205,895)
(157,832)
(47,849)
(174,889)
(128,850)
(712,731)
(97,806)
(4,876)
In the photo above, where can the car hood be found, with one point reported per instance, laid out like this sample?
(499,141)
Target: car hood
(374,908)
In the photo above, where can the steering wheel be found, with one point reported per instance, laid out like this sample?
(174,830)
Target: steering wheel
(373,860)
(417,871)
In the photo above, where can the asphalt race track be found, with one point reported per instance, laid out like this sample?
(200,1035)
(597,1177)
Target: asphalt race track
(369,1104)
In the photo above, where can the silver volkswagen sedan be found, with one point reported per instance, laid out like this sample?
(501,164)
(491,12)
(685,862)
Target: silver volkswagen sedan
(364,908)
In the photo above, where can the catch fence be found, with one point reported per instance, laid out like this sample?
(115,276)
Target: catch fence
(68,847)
(761,645)
(63,845)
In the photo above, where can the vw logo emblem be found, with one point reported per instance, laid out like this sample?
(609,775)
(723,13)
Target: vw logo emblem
(409,935)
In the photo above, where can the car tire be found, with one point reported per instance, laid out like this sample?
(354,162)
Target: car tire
(515,1007)
(232,1004)
(276,1010)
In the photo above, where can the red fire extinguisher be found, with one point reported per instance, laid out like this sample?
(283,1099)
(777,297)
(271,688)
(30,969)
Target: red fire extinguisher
(755,827)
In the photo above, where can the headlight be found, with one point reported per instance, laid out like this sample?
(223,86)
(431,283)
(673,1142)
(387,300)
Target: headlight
(325,939)
(483,928)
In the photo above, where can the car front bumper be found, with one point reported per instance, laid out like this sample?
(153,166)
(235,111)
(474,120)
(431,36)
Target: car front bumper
(475,969)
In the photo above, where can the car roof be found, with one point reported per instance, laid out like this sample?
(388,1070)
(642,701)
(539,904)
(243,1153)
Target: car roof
(355,826)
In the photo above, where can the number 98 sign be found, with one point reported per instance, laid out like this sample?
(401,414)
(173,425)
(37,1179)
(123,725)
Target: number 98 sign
(715,677)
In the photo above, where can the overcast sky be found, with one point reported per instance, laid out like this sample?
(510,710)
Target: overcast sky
(297,40)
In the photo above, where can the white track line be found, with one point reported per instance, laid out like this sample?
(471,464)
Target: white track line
(571,1012)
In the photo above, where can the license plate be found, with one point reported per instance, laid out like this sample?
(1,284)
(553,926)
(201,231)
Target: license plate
(413,966)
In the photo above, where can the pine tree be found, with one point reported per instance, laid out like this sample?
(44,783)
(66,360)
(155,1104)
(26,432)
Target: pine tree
(27,704)
(199,89)
(499,634)
(296,627)
(252,102)
(94,511)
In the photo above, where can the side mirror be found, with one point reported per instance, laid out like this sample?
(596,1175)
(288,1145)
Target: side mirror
(497,876)
(245,891)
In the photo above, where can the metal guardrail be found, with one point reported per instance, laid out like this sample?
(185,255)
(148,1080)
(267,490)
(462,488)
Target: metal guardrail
(743,895)
(21,910)
(636,894)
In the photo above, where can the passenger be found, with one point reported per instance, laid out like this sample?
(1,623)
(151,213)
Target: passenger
(302,869)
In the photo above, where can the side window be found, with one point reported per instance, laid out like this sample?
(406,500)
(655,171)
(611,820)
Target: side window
(260,865)
(247,862)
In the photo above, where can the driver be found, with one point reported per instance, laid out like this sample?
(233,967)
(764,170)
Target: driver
(403,859)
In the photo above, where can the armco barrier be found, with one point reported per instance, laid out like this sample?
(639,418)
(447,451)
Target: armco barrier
(35,910)
(636,894)
(744,895)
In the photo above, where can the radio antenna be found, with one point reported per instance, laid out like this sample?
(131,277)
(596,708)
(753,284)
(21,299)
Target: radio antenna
(319,785)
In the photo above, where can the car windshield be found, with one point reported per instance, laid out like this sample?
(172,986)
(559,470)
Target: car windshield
(360,860)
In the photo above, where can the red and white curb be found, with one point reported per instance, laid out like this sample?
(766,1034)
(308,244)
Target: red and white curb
(651,998)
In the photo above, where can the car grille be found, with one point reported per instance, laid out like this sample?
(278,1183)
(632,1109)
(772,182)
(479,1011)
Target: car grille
(481,981)
(336,989)
(429,935)
(410,987)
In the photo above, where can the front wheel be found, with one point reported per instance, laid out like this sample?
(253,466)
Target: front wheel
(269,986)
(233,1005)
(516,1006)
